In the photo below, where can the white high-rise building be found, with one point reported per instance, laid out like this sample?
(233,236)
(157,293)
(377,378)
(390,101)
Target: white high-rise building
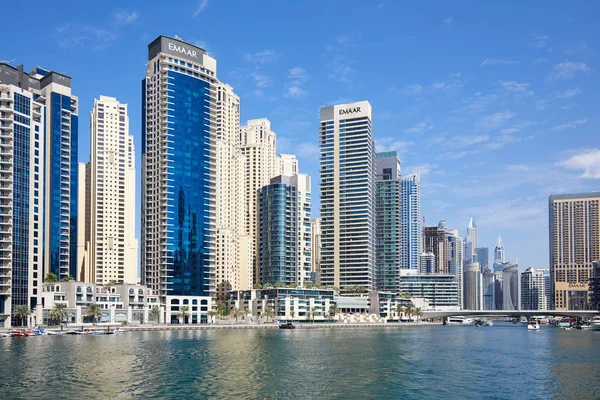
(471,242)
(288,164)
(233,269)
(534,295)
(257,145)
(411,230)
(499,251)
(107,199)
(347,196)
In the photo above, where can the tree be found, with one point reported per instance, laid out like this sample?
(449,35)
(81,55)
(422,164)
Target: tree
(279,284)
(292,313)
(211,314)
(22,312)
(399,310)
(269,312)
(333,310)
(418,313)
(409,311)
(220,308)
(359,289)
(94,311)
(112,282)
(59,312)
(51,277)
(235,313)
(246,311)
(183,312)
(155,311)
(312,313)
(67,278)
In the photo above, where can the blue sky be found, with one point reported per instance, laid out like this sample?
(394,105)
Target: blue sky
(495,104)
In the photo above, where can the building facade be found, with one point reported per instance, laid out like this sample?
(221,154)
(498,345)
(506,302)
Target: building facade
(411,239)
(471,242)
(347,196)
(574,245)
(38,184)
(427,263)
(388,218)
(499,251)
(178,171)
(510,287)
(489,289)
(286,164)
(315,252)
(533,290)
(595,286)
(472,287)
(483,257)
(440,290)
(106,231)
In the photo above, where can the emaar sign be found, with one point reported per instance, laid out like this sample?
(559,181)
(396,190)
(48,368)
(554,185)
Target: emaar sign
(349,111)
(176,48)
(183,50)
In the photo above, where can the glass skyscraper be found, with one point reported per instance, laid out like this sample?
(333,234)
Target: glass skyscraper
(178,169)
(387,222)
(38,184)
(347,196)
(411,234)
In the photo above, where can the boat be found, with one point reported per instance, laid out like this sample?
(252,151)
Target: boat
(79,332)
(534,325)
(17,333)
(52,333)
(595,324)
(4,334)
(460,321)
(566,328)
(287,325)
(39,332)
(489,322)
(119,330)
(523,320)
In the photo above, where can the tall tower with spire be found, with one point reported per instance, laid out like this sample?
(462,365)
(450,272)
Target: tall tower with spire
(470,254)
(499,251)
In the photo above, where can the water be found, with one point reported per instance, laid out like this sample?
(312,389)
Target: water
(501,362)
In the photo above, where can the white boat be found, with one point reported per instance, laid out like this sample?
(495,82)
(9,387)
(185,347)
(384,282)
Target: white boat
(460,321)
(119,330)
(595,323)
(533,325)
(489,322)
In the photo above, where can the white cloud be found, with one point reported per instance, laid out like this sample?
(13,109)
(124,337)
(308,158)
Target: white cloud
(494,121)
(262,81)
(516,87)
(347,40)
(536,61)
(308,150)
(391,144)
(203,4)
(419,128)
(125,18)
(423,169)
(567,70)
(568,125)
(262,57)
(565,94)
(494,61)
(78,36)
(517,127)
(576,48)
(295,92)
(588,161)
(341,70)
(538,41)
(477,103)
(297,76)
(448,22)
(410,90)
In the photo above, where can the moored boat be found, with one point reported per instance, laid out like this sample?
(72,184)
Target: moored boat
(533,325)
(595,324)
(287,325)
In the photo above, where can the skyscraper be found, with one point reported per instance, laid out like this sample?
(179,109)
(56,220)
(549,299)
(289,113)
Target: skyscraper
(284,248)
(315,252)
(38,176)
(178,171)
(435,240)
(499,251)
(107,191)
(387,222)
(287,164)
(427,263)
(483,257)
(574,245)
(489,286)
(411,239)
(347,195)
(510,287)
(257,145)
(472,293)
(595,286)
(533,290)
(471,242)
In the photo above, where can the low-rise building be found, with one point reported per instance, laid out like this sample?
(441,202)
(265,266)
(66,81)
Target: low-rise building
(440,290)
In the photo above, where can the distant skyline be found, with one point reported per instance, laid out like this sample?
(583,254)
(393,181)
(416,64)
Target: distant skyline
(495,106)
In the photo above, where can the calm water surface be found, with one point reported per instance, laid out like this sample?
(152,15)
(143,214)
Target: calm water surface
(501,362)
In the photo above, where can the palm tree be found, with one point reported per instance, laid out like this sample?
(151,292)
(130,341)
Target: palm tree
(359,289)
(246,313)
(418,313)
(399,310)
(94,311)
(51,277)
(292,313)
(409,312)
(67,278)
(269,312)
(183,312)
(312,313)
(59,312)
(235,313)
(22,312)
(333,310)
(220,308)
(155,311)
(211,314)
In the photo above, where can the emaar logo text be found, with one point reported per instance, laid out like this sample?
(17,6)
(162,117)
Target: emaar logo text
(183,50)
(350,110)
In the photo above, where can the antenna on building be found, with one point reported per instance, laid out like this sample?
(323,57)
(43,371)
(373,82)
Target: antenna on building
(178,38)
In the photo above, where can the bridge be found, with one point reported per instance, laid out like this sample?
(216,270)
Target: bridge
(510,313)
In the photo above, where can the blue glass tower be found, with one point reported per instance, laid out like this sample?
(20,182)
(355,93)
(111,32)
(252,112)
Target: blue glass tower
(178,172)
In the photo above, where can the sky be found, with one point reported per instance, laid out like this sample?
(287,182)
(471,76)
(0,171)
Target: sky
(496,104)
